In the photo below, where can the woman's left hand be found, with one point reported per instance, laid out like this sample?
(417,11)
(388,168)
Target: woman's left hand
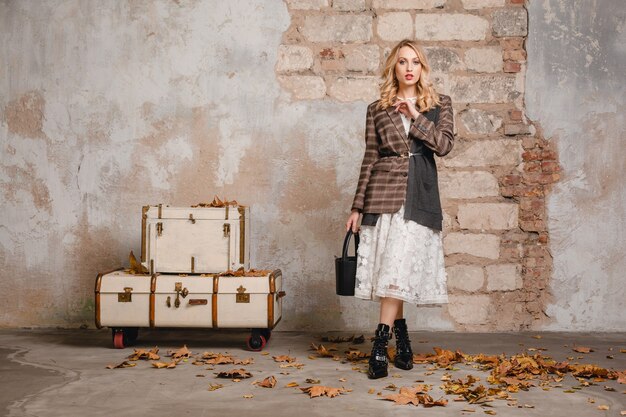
(407,108)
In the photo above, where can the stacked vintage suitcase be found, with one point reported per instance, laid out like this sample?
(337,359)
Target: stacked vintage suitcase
(194,272)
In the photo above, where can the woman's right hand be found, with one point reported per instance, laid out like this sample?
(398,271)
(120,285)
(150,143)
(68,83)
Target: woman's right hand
(353,221)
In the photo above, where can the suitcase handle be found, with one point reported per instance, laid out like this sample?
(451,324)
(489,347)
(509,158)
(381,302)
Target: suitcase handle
(281,294)
(198,302)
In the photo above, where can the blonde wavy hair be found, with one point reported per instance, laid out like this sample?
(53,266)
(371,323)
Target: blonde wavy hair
(427,97)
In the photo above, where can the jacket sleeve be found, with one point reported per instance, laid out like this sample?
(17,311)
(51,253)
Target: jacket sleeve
(440,137)
(371,155)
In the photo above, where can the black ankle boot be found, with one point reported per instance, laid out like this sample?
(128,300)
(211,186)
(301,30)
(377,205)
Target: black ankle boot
(404,353)
(378,360)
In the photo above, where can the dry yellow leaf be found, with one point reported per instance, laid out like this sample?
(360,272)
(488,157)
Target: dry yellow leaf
(323,351)
(235,373)
(150,355)
(269,382)
(124,364)
(213,387)
(165,365)
(356,355)
(284,358)
(292,384)
(217,203)
(292,365)
(220,359)
(181,353)
(136,267)
(415,396)
(320,390)
(603,407)
(241,272)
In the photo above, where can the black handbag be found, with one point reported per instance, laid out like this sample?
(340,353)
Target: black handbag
(345,267)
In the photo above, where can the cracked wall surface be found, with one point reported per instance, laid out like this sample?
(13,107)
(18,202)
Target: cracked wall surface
(575,89)
(106,107)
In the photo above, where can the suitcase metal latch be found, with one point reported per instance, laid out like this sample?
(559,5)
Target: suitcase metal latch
(241,296)
(226,229)
(159,229)
(178,287)
(126,296)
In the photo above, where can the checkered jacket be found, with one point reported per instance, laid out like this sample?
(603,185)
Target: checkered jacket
(383,179)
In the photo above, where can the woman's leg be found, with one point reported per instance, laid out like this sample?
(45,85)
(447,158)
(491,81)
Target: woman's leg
(400,313)
(389,310)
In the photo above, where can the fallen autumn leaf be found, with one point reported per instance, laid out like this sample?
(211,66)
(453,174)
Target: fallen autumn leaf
(124,364)
(320,390)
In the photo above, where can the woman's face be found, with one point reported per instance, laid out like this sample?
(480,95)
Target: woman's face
(408,67)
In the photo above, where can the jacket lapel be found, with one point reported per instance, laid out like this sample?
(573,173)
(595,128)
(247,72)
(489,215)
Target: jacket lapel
(396,119)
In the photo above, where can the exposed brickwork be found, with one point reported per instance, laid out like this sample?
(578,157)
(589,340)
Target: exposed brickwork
(512,66)
(529,188)
(495,181)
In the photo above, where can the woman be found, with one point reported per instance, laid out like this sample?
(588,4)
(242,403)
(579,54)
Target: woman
(400,257)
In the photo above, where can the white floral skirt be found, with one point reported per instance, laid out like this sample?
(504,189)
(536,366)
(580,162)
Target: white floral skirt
(401,259)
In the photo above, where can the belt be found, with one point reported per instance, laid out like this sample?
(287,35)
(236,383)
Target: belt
(402,155)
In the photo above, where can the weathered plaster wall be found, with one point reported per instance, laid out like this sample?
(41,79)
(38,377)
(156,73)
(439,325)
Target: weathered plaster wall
(108,106)
(575,90)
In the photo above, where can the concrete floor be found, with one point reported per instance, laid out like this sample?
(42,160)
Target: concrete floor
(63,373)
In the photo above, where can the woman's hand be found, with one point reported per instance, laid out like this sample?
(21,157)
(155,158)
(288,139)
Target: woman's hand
(407,108)
(353,221)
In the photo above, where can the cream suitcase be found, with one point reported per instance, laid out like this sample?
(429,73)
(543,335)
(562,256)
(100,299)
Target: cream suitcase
(248,301)
(126,302)
(195,240)
(123,301)
(183,301)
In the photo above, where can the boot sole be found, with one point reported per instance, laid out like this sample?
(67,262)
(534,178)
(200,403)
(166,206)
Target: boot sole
(373,375)
(403,366)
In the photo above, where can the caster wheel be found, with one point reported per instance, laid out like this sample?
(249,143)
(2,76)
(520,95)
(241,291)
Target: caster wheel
(118,339)
(256,342)
(124,337)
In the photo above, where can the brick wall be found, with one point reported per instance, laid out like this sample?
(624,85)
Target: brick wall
(495,181)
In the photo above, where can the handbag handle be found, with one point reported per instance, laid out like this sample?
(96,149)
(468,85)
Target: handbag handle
(346,244)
